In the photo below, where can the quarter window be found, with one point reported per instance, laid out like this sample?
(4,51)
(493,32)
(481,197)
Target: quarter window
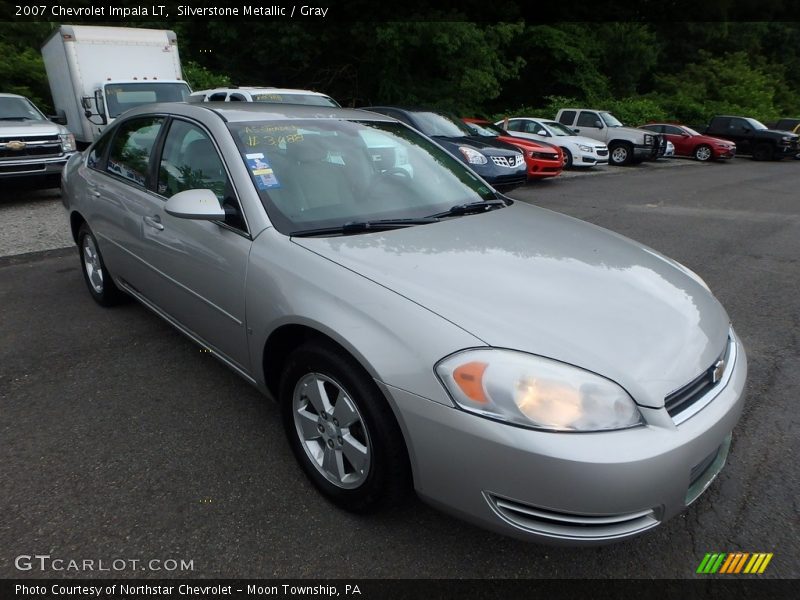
(131,148)
(98,151)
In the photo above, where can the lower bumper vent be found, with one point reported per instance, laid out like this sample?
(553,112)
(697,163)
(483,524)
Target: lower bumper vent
(569,526)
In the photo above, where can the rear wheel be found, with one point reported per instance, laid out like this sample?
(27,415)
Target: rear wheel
(341,429)
(763,152)
(95,274)
(703,153)
(620,153)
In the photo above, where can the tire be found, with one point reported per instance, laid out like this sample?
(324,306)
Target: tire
(95,274)
(620,153)
(341,429)
(763,152)
(703,153)
(567,158)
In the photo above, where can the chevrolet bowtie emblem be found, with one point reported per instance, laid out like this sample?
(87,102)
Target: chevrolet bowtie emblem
(15,145)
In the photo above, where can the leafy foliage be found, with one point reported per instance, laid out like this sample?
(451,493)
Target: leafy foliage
(640,71)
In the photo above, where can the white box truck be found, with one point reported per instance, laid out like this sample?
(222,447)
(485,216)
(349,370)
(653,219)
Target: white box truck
(97,73)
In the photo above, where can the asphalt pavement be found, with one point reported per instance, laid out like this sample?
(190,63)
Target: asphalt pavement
(122,440)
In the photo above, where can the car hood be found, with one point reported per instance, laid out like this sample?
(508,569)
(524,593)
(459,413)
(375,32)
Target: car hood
(710,139)
(488,146)
(532,280)
(30,128)
(558,140)
(580,139)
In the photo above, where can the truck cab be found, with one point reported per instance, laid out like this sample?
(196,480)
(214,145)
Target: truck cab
(626,145)
(97,73)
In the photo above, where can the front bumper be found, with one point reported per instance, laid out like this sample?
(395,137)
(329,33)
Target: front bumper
(539,168)
(28,168)
(720,153)
(568,488)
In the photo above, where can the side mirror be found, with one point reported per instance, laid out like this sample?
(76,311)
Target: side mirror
(746,129)
(200,205)
(100,106)
(598,124)
(60,117)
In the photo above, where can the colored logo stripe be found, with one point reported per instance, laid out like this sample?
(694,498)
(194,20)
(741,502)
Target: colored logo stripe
(734,563)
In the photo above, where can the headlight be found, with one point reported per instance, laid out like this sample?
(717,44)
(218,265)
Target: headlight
(648,139)
(787,138)
(583,148)
(473,156)
(67,142)
(536,392)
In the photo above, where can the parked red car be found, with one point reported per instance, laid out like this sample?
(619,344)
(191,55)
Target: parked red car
(542,159)
(688,142)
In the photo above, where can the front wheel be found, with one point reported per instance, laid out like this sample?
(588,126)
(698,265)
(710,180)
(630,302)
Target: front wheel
(703,153)
(763,152)
(341,429)
(620,154)
(567,158)
(95,274)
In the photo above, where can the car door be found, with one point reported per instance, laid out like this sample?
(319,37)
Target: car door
(118,184)
(587,125)
(742,133)
(198,268)
(680,139)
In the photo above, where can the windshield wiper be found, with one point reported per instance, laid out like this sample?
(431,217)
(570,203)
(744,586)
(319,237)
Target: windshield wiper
(364,226)
(470,208)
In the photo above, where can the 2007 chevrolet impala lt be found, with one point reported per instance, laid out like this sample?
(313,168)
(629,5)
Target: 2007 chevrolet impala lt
(530,372)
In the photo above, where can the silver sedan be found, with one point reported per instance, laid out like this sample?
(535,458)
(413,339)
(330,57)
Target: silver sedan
(530,372)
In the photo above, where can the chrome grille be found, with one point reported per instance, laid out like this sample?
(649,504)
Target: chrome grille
(508,161)
(680,402)
(571,526)
(35,146)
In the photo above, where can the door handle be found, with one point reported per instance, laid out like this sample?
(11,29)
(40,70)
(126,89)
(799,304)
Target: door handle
(154,222)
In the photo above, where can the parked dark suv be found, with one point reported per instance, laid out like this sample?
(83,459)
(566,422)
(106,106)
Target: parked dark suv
(501,164)
(753,137)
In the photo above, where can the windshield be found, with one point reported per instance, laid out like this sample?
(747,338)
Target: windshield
(758,125)
(124,96)
(310,99)
(435,124)
(486,129)
(19,109)
(321,173)
(558,129)
(610,119)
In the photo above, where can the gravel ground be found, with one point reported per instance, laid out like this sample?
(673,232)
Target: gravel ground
(32,220)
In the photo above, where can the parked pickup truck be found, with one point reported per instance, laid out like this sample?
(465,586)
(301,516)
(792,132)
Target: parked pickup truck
(626,145)
(32,148)
(753,137)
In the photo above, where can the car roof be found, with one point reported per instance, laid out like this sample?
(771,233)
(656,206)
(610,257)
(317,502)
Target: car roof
(270,90)
(257,111)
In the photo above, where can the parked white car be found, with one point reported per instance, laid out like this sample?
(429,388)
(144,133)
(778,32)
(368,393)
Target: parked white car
(578,151)
(670,151)
(263,94)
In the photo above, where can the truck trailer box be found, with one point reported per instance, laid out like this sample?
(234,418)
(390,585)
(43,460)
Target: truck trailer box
(97,73)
